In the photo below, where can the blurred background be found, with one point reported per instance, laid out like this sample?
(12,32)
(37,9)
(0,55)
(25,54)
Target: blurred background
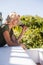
(22,7)
(31,12)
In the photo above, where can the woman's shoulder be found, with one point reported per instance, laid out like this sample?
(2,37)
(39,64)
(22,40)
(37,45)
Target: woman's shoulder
(5,27)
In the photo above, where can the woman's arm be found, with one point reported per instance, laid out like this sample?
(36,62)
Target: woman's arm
(23,30)
(8,39)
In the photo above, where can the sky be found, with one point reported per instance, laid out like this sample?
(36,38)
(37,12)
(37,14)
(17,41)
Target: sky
(22,7)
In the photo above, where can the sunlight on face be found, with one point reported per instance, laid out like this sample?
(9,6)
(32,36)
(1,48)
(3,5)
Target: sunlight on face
(16,20)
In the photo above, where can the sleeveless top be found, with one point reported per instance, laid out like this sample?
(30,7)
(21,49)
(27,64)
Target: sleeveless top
(2,30)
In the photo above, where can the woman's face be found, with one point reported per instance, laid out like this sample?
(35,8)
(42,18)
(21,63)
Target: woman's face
(15,21)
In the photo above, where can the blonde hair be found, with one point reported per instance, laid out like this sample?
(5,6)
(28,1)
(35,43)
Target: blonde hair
(13,15)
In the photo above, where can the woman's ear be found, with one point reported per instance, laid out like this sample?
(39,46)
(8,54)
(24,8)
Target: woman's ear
(18,15)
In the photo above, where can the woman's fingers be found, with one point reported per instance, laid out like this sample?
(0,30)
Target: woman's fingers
(23,46)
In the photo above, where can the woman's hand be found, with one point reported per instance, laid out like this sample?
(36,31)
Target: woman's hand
(23,46)
(24,29)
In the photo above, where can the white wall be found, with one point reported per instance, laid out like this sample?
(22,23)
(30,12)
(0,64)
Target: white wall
(34,54)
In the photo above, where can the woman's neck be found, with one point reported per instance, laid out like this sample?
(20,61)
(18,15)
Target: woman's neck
(10,26)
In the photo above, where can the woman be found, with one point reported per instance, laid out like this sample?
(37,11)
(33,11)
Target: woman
(7,33)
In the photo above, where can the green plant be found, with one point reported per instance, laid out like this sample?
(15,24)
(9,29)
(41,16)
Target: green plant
(33,37)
